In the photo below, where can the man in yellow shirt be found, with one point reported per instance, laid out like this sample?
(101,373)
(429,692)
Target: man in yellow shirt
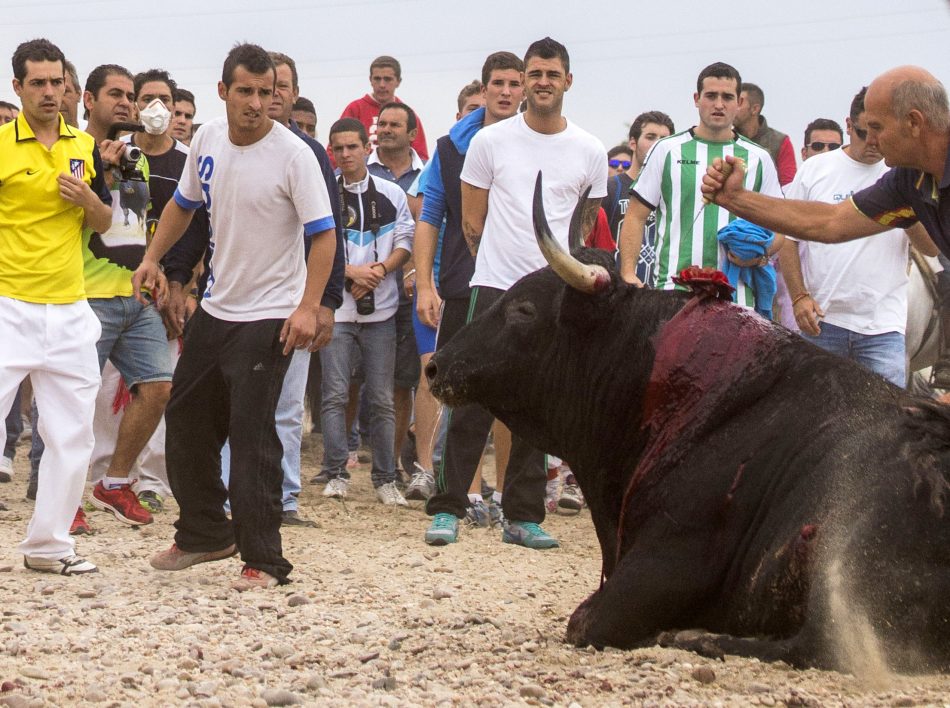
(51,186)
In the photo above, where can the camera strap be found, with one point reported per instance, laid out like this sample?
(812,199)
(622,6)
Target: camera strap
(374,224)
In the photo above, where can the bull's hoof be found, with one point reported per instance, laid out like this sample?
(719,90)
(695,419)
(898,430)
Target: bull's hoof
(694,640)
(578,625)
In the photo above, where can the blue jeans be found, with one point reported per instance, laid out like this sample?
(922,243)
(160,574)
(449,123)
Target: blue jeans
(884,354)
(14,424)
(376,344)
(289,419)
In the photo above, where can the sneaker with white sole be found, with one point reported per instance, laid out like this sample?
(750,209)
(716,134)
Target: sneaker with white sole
(70,565)
(390,495)
(6,469)
(443,530)
(571,496)
(252,579)
(176,559)
(529,535)
(422,485)
(336,488)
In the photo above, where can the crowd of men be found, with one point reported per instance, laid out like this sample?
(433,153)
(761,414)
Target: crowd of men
(163,288)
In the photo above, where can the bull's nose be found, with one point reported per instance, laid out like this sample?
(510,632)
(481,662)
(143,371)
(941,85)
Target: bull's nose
(431,370)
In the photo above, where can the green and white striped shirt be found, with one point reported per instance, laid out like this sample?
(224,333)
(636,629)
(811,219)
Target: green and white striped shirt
(670,182)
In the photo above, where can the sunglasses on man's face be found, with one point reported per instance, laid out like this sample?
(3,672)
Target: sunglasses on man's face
(861,133)
(819,146)
(619,163)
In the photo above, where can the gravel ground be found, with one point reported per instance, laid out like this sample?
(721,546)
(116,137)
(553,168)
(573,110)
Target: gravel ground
(373,617)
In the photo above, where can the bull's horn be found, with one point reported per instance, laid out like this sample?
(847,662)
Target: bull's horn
(575,238)
(580,276)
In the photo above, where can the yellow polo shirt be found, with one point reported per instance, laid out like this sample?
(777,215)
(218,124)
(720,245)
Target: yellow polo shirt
(41,233)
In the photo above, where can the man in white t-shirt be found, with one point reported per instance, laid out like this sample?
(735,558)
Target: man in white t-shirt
(498,177)
(263,190)
(858,289)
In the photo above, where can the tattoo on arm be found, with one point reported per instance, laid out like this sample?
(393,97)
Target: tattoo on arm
(473,237)
(590,216)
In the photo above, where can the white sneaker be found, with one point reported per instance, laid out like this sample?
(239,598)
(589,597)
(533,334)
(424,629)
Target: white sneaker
(70,565)
(390,495)
(6,469)
(422,485)
(336,488)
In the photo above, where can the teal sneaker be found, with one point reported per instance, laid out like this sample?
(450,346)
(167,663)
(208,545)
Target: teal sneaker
(529,535)
(443,530)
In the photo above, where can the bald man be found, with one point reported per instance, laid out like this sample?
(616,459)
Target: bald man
(908,121)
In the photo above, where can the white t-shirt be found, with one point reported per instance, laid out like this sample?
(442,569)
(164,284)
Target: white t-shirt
(261,199)
(860,285)
(505,159)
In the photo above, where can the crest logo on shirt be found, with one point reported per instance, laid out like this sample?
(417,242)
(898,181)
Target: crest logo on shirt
(77,168)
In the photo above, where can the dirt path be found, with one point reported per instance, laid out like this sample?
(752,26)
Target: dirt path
(373,617)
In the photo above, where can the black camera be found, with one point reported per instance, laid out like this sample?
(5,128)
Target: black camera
(128,162)
(366,305)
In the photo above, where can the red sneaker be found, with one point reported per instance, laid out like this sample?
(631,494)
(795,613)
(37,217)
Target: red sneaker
(80,525)
(253,578)
(123,503)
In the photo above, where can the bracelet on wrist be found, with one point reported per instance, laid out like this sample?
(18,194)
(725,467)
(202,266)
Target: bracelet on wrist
(383,266)
(801,296)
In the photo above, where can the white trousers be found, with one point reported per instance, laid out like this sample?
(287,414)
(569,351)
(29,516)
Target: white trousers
(149,468)
(55,345)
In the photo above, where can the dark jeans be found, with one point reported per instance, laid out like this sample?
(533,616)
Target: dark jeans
(227,383)
(468,429)
(14,423)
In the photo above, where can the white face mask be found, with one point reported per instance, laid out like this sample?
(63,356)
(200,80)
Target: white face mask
(155,117)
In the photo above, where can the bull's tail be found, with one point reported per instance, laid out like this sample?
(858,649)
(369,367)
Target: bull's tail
(928,445)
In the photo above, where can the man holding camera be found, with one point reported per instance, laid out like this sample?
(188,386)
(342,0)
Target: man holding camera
(133,335)
(378,240)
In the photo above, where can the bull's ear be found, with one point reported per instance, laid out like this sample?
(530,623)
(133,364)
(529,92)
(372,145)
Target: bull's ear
(585,311)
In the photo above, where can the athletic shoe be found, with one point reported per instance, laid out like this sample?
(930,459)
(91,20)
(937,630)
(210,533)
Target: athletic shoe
(351,461)
(176,559)
(6,469)
(529,535)
(443,530)
(321,478)
(122,502)
(336,488)
(70,565)
(422,485)
(153,501)
(252,578)
(390,495)
(571,496)
(551,494)
(291,517)
(477,516)
(80,524)
(496,517)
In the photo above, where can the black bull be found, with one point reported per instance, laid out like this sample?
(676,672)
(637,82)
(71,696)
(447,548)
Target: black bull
(740,480)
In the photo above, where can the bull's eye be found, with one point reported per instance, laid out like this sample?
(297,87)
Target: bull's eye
(523,311)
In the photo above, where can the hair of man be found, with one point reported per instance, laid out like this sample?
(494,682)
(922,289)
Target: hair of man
(180,94)
(252,57)
(144,77)
(928,97)
(470,89)
(658,117)
(280,58)
(719,70)
(350,125)
(857,104)
(97,77)
(754,95)
(411,122)
(548,48)
(304,104)
(622,149)
(70,69)
(384,62)
(9,106)
(501,61)
(823,124)
(35,50)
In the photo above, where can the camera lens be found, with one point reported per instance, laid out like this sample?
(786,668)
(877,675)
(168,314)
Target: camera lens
(132,153)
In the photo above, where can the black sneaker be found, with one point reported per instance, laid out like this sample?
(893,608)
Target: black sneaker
(290,517)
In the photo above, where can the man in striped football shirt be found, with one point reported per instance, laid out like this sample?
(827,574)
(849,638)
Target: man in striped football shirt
(670,183)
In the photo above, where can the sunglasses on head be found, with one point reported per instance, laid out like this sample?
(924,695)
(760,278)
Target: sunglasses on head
(862,134)
(619,163)
(819,146)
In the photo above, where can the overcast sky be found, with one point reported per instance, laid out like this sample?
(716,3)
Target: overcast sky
(810,57)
